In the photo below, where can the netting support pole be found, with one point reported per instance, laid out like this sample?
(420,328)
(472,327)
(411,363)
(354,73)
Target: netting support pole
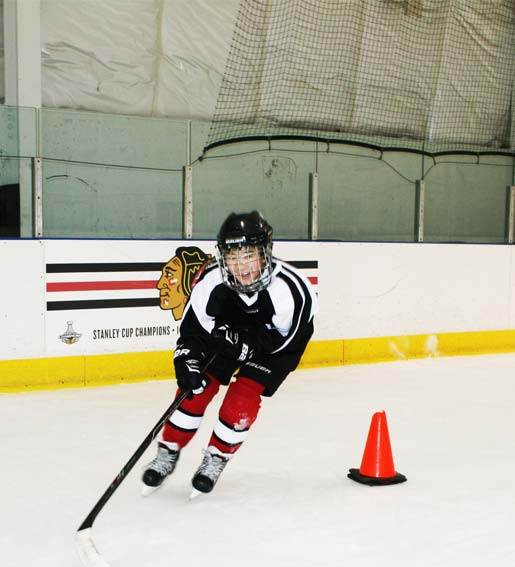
(187,189)
(420,197)
(510,214)
(37,195)
(313,193)
(187,200)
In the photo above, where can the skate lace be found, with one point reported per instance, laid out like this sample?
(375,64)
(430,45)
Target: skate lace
(164,461)
(212,465)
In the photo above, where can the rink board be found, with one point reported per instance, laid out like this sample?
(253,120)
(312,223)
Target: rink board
(87,312)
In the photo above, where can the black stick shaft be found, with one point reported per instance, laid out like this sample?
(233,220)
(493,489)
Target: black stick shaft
(120,477)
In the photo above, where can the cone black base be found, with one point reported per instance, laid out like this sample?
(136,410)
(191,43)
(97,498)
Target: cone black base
(354,474)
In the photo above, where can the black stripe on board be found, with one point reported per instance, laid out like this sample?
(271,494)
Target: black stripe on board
(106,267)
(139,266)
(303,264)
(102,304)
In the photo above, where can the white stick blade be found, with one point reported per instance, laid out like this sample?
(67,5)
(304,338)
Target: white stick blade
(88,553)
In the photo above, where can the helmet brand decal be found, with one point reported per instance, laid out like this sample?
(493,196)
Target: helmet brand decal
(235,240)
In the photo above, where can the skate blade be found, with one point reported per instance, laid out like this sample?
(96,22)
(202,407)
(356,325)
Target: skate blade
(195,493)
(148,490)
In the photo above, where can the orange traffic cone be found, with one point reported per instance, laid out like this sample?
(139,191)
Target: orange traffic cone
(377,466)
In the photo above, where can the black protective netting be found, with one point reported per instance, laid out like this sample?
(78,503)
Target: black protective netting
(424,75)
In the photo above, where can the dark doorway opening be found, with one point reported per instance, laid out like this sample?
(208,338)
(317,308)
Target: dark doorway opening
(9,211)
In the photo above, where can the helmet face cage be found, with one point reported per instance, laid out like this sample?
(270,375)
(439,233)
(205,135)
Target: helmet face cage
(246,269)
(244,246)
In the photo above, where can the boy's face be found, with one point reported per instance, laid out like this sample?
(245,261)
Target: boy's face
(245,264)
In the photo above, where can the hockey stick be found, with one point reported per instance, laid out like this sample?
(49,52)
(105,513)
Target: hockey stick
(88,553)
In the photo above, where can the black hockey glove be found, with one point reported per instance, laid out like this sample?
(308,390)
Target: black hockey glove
(187,372)
(233,344)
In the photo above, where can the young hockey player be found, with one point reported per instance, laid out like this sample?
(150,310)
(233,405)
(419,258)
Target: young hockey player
(255,313)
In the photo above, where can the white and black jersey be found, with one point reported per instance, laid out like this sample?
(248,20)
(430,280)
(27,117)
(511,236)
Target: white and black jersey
(278,320)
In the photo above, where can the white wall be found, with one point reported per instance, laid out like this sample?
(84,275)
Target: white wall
(365,290)
(400,289)
(22,299)
(145,57)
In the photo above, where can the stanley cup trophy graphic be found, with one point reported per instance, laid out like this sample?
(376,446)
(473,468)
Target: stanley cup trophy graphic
(70,336)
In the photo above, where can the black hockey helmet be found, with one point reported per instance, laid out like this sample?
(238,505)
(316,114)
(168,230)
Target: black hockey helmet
(245,231)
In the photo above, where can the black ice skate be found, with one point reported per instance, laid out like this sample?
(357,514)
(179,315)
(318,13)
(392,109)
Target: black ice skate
(161,467)
(207,475)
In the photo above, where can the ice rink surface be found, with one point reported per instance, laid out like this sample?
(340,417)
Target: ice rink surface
(285,499)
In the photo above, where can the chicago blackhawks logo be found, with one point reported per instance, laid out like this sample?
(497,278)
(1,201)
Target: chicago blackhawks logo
(178,277)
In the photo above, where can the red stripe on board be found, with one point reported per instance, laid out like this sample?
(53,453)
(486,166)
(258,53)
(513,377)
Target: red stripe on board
(101,286)
(114,285)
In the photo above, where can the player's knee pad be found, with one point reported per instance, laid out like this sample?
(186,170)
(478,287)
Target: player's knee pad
(241,404)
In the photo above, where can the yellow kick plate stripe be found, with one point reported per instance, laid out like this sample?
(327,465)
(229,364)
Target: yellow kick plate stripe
(95,370)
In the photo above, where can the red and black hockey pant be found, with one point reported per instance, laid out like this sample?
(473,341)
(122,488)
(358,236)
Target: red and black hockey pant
(240,406)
